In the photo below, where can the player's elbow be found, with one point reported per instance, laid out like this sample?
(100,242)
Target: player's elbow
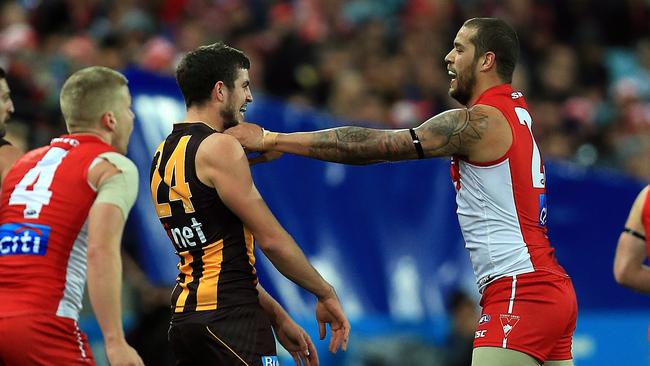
(268,241)
(623,272)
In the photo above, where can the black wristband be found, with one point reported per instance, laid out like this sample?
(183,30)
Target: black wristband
(416,142)
(634,233)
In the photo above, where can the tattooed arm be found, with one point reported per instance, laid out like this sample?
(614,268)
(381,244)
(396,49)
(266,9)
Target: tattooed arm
(454,132)
(462,132)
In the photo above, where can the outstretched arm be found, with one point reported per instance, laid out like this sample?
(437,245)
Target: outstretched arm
(629,268)
(454,132)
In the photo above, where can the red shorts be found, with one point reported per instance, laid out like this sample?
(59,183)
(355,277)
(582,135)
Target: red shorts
(42,340)
(534,313)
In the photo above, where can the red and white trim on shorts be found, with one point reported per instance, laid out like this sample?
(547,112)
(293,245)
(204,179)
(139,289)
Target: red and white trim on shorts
(511,304)
(80,341)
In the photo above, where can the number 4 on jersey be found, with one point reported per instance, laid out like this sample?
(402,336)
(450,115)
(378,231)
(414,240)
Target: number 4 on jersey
(174,174)
(33,190)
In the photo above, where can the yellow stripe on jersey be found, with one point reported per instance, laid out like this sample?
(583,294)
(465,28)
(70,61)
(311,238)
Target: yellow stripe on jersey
(175,167)
(206,296)
(206,291)
(250,247)
(186,269)
(162,209)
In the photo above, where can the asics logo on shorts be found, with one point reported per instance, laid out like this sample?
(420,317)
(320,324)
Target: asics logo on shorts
(24,239)
(270,361)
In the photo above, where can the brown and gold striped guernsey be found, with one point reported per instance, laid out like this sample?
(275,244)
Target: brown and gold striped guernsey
(216,268)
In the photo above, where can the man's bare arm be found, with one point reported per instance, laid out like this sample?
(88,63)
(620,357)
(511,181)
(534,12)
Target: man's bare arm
(629,268)
(221,163)
(106,221)
(454,132)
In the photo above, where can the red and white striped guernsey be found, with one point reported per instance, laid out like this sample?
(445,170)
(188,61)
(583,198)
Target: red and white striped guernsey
(502,203)
(43,233)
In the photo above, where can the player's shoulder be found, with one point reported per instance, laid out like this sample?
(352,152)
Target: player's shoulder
(487,111)
(220,145)
(221,152)
(121,162)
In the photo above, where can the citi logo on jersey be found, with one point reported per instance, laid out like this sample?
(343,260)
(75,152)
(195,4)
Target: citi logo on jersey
(23,239)
(270,361)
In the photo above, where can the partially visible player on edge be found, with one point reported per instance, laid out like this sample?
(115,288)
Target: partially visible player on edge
(63,212)
(633,247)
(8,153)
(529,305)
(207,202)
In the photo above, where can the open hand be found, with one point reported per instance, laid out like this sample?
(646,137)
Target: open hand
(121,354)
(297,342)
(329,311)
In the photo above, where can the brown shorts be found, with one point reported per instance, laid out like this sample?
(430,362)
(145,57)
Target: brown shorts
(240,335)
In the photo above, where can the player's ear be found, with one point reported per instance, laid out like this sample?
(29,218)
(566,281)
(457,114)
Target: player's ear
(218,91)
(488,61)
(108,121)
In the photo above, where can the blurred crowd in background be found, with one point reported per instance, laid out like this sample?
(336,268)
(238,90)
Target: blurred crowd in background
(584,65)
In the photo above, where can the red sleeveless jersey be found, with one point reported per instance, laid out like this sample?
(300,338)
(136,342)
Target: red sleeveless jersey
(45,202)
(502,203)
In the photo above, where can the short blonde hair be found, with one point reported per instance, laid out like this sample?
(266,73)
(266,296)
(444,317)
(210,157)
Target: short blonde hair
(89,93)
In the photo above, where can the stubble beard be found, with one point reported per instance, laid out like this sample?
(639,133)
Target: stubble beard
(3,127)
(231,117)
(464,87)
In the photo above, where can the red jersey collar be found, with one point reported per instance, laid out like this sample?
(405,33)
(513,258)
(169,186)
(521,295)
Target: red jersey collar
(504,88)
(74,139)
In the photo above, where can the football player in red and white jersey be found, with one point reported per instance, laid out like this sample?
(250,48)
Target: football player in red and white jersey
(633,247)
(63,212)
(8,153)
(529,305)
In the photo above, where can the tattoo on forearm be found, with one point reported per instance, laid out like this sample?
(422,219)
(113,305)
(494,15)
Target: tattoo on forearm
(445,134)
(358,145)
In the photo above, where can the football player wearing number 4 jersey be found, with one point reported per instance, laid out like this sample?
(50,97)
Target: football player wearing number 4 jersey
(529,305)
(63,212)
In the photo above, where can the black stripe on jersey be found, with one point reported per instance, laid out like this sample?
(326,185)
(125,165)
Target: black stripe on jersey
(178,289)
(154,164)
(197,274)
